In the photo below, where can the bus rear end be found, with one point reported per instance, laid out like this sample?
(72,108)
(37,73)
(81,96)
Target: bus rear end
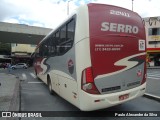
(117,51)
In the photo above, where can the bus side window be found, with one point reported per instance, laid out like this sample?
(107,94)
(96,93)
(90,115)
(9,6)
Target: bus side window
(52,45)
(71,30)
(62,40)
(37,53)
(45,49)
(66,37)
(63,34)
(56,39)
(41,50)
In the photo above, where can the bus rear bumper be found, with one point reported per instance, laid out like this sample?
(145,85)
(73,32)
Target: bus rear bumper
(91,102)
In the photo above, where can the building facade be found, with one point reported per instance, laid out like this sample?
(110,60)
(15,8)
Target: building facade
(152,27)
(21,53)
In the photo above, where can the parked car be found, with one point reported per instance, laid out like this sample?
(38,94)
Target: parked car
(19,65)
(150,64)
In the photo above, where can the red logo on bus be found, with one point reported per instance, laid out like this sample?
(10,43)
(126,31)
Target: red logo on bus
(70,66)
(139,73)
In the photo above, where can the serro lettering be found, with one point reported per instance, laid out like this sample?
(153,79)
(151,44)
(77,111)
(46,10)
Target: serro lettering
(115,27)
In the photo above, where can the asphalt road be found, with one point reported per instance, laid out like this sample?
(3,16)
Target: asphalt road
(35,97)
(153,82)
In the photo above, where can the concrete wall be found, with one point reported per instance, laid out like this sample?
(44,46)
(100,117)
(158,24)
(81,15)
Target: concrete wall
(26,48)
(19,33)
(21,28)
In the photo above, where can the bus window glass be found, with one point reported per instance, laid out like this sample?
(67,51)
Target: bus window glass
(37,53)
(49,46)
(63,34)
(70,30)
(57,35)
(67,37)
(53,43)
(41,50)
(45,49)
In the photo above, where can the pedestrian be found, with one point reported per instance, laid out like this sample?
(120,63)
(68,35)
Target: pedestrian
(9,67)
(4,65)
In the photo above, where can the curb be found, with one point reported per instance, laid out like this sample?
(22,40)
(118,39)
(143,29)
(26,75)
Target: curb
(150,96)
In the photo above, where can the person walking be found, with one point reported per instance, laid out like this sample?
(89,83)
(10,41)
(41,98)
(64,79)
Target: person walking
(4,65)
(9,67)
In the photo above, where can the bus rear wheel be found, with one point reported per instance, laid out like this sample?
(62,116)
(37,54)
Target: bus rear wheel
(49,85)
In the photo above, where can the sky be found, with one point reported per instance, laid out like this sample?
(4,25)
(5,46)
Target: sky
(50,13)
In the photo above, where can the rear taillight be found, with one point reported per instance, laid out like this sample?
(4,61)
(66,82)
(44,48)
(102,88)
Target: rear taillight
(87,83)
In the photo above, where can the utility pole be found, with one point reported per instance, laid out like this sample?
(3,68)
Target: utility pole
(68,7)
(132,5)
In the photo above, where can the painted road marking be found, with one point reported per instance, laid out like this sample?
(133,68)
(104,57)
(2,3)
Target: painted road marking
(33,75)
(154,78)
(35,82)
(154,75)
(24,77)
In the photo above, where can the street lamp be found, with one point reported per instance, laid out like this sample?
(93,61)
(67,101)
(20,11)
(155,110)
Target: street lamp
(68,6)
(132,5)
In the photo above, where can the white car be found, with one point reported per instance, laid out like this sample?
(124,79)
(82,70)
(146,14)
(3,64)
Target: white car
(150,64)
(19,65)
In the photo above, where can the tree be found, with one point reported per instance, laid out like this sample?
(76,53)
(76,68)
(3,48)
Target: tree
(5,48)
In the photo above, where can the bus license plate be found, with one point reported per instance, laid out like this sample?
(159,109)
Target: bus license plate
(123,97)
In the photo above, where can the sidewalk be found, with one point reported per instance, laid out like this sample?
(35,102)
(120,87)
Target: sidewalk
(9,92)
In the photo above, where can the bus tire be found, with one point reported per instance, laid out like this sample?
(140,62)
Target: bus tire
(36,72)
(49,85)
(25,67)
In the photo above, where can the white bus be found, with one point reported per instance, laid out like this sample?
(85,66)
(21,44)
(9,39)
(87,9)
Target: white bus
(96,58)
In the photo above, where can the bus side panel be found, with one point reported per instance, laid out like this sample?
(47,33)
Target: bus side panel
(65,86)
(54,81)
(82,47)
(40,69)
(68,90)
(62,71)
(83,61)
